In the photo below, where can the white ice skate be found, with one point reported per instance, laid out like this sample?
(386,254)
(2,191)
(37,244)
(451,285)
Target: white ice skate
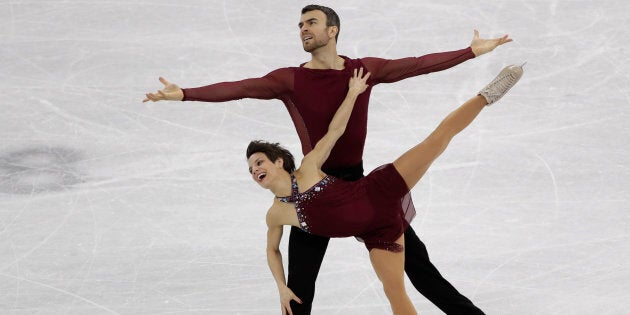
(506,79)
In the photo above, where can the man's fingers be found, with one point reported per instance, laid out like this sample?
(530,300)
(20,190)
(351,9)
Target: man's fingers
(504,40)
(157,96)
(152,97)
(476,34)
(164,81)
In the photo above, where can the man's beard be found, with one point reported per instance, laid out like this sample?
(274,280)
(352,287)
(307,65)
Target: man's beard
(315,46)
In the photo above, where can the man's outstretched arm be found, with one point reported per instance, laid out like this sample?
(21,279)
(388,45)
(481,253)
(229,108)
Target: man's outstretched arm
(272,85)
(393,70)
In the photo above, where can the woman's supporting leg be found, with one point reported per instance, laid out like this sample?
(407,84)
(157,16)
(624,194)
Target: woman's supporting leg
(414,163)
(390,268)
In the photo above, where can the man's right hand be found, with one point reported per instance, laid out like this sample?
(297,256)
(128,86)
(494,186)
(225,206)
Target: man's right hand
(171,92)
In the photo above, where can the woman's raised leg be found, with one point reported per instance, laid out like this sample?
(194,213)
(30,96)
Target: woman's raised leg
(413,164)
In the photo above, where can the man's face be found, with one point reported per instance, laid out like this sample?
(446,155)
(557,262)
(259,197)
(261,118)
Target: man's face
(313,30)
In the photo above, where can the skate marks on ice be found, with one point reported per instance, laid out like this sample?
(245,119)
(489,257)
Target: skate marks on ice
(38,170)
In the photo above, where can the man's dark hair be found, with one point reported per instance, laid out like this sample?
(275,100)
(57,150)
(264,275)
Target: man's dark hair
(273,151)
(332,19)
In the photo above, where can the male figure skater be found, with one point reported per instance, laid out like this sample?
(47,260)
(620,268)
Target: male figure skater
(312,93)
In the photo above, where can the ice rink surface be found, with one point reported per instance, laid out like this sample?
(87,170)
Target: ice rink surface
(113,206)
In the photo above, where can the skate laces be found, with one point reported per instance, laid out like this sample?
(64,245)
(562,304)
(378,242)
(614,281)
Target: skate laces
(504,82)
(506,79)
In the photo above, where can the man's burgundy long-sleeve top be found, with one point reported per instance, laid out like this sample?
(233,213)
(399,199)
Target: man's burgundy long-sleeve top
(312,96)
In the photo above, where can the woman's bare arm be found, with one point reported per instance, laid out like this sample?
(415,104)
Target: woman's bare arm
(274,260)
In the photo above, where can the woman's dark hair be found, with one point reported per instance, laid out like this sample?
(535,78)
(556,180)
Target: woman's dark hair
(273,151)
(332,19)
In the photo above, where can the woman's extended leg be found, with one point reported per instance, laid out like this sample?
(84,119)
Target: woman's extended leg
(390,269)
(414,163)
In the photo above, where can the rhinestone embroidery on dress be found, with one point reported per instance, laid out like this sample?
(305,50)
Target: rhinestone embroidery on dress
(300,198)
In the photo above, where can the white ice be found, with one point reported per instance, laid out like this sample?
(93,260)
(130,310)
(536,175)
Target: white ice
(113,206)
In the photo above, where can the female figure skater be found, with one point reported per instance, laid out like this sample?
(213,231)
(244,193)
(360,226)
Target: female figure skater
(371,208)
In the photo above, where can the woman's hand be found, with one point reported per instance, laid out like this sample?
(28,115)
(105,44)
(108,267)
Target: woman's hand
(358,82)
(286,295)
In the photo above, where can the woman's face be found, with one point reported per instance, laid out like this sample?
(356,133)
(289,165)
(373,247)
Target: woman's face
(262,169)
